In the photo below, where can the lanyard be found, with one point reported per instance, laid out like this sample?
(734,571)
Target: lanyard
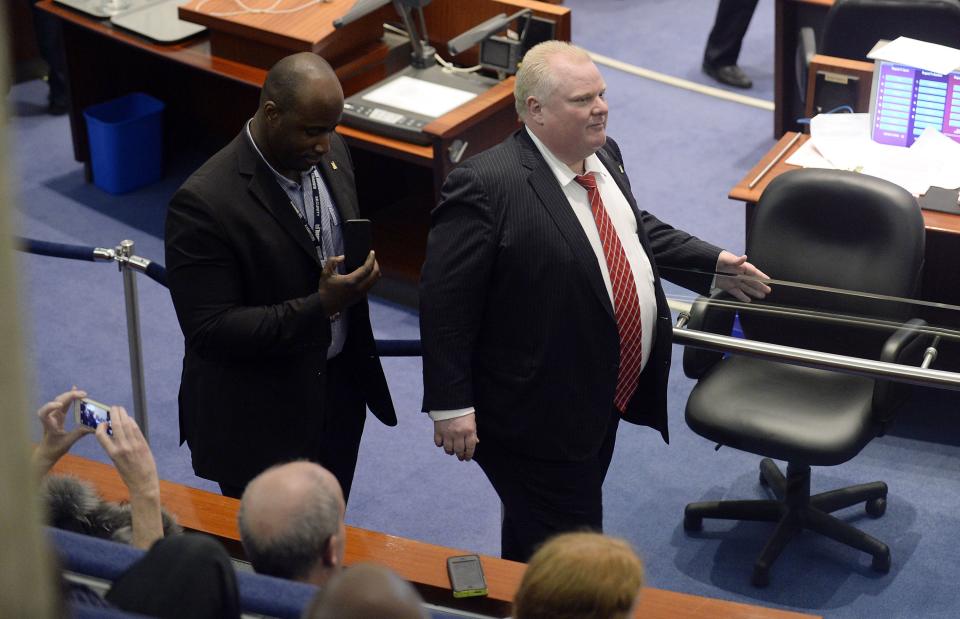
(316,234)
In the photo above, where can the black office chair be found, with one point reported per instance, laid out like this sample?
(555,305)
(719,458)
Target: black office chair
(852,27)
(831,229)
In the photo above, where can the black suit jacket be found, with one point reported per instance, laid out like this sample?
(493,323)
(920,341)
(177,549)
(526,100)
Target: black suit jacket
(514,315)
(243,275)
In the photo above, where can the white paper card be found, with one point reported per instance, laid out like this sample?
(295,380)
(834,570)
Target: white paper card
(913,53)
(419,96)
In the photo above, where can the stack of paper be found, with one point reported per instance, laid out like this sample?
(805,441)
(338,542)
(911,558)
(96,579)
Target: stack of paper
(842,142)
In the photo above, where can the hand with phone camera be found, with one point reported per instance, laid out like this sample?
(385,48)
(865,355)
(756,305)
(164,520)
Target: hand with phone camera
(56,439)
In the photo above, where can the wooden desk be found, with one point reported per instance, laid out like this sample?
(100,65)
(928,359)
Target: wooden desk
(422,564)
(208,99)
(790,16)
(942,257)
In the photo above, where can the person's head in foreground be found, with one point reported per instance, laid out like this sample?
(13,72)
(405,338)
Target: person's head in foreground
(291,522)
(580,576)
(366,591)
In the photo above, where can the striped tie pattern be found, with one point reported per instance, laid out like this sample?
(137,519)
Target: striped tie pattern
(626,305)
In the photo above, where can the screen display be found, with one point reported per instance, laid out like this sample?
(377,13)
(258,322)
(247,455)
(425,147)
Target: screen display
(495,54)
(93,414)
(907,100)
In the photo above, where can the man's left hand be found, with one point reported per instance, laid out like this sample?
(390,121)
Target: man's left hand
(743,288)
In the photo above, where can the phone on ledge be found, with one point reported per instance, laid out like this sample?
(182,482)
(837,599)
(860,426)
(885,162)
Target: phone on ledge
(357,243)
(466,576)
(92,413)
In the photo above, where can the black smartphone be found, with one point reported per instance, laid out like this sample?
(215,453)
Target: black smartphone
(466,576)
(357,243)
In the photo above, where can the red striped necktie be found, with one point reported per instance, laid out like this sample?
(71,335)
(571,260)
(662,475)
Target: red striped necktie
(626,305)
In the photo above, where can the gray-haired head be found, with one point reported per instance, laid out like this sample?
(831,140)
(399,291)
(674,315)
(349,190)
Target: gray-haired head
(291,522)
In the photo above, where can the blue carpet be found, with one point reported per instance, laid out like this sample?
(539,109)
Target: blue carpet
(684,151)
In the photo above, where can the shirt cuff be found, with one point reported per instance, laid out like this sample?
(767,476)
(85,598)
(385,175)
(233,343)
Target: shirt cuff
(451,413)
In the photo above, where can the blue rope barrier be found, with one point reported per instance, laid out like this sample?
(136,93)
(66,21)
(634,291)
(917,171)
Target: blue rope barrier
(56,250)
(399,348)
(158,273)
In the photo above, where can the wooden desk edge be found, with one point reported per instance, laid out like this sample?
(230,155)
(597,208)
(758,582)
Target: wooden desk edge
(741,191)
(421,563)
(934,221)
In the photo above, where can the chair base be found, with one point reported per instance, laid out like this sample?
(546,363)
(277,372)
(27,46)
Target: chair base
(794,510)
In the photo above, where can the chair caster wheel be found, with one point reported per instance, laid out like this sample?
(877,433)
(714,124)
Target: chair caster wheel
(881,562)
(876,507)
(692,523)
(761,577)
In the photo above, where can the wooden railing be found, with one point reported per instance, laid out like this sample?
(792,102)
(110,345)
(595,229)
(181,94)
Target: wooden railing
(422,564)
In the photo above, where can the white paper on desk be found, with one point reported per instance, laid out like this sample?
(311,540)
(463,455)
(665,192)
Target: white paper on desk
(807,156)
(416,95)
(842,139)
(913,53)
(941,155)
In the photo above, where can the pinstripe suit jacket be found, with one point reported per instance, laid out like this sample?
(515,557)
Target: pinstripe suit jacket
(514,315)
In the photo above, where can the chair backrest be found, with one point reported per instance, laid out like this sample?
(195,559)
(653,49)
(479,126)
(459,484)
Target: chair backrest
(835,229)
(852,27)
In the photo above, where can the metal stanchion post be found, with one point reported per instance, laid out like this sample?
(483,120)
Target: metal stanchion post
(131,301)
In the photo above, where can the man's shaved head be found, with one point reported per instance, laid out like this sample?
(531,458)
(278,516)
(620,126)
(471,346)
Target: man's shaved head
(300,106)
(286,78)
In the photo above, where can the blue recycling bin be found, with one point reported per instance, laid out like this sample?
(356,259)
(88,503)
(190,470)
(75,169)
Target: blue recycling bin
(126,142)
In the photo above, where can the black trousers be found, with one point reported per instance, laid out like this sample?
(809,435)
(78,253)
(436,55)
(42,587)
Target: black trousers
(186,576)
(542,498)
(726,37)
(344,416)
(50,43)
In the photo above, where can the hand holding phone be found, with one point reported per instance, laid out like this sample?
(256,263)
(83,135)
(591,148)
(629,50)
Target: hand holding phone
(91,413)
(466,576)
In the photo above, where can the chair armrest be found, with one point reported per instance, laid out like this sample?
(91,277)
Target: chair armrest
(704,316)
(806,50)
(906,346)
(906,343)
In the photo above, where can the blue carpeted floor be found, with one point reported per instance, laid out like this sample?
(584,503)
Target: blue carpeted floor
(684,152)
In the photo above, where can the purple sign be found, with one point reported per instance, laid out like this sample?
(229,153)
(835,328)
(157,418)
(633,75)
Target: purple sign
(909,100)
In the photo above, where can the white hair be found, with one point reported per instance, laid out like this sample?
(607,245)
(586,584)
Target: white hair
(535,78)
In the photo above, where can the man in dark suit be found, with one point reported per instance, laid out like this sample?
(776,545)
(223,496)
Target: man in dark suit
(280,362)
(541,311)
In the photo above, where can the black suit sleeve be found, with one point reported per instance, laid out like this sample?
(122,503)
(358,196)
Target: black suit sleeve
(206,284)
(461,254)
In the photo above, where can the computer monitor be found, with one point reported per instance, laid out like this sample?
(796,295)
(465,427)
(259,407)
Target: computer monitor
(906,100)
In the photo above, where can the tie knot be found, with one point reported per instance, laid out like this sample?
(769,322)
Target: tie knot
(587,181)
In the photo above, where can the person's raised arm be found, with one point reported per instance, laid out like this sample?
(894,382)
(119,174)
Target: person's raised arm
(131,455)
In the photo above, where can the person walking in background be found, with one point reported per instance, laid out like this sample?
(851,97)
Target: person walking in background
(723,44)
